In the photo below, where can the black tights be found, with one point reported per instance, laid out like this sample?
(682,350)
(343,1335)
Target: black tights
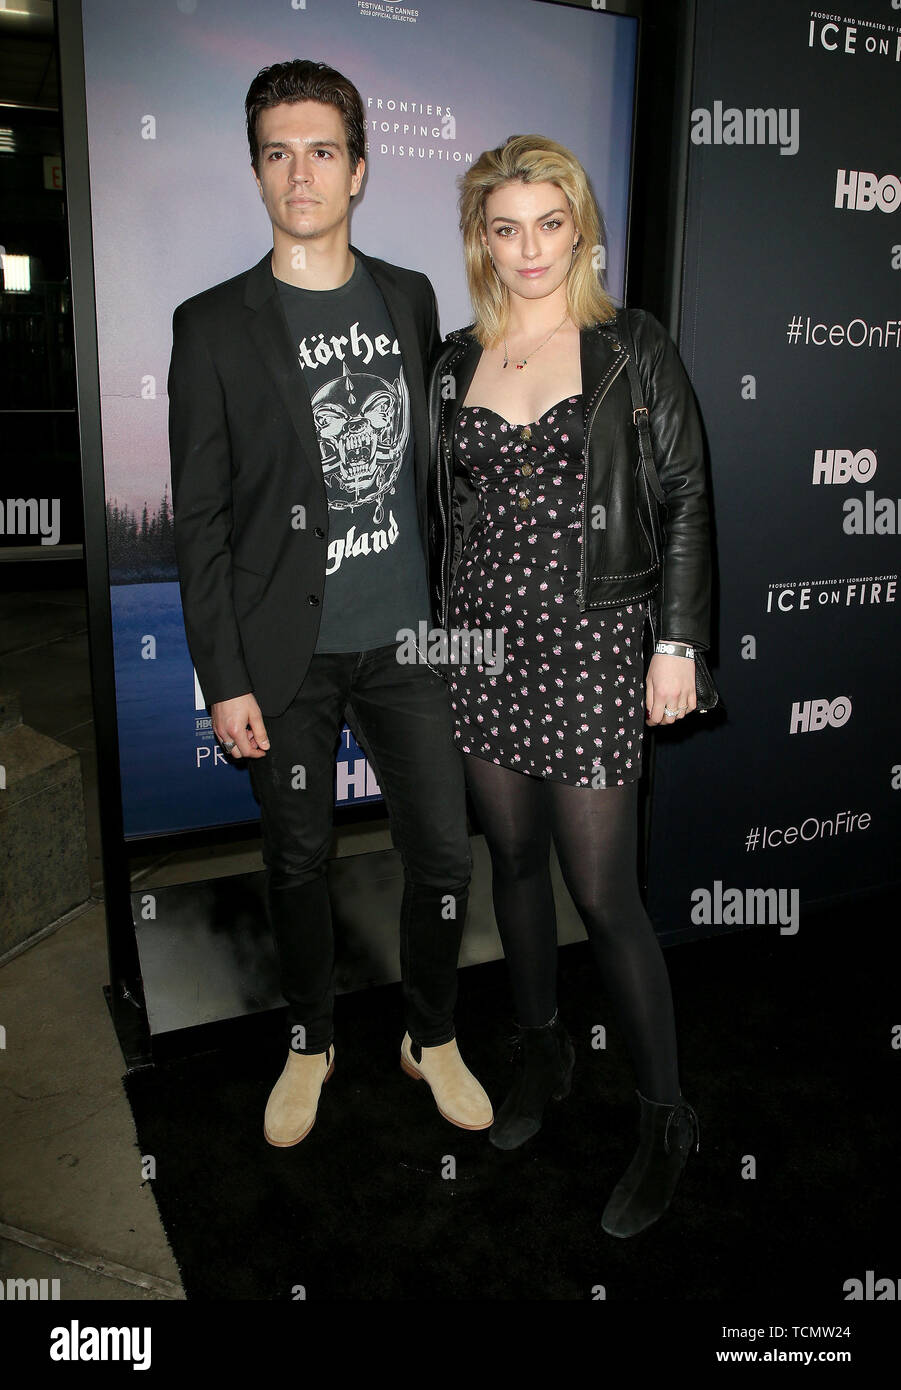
(595,834)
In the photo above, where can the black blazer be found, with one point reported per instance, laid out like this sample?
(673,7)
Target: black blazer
(250,508)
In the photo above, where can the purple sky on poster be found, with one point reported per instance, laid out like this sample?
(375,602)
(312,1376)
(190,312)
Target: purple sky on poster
(174,206)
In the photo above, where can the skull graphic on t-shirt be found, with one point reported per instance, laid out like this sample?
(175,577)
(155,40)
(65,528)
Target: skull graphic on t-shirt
(363,424)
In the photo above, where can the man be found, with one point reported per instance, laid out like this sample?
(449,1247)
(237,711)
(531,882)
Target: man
(299,445)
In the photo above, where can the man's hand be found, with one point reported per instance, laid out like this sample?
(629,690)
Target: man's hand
(670,685)
(240,721)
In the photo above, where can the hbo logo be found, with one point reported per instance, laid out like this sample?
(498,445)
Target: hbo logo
(864,192)
(816,714)
(841,465)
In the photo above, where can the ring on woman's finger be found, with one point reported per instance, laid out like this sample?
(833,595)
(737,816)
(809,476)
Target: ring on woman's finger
(228,744)
(671,712)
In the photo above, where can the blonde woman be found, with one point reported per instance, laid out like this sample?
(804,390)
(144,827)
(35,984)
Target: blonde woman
(547,536)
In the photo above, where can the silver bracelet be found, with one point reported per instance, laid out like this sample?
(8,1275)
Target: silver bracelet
(675,649)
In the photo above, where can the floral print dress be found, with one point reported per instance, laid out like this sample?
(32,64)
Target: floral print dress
(568,704)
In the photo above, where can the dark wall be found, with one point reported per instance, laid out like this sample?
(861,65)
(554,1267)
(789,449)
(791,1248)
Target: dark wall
(38,421)
(659,183)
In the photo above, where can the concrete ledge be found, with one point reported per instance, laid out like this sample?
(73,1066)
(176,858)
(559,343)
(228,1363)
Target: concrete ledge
(11,554)
(43,849)
(10,711)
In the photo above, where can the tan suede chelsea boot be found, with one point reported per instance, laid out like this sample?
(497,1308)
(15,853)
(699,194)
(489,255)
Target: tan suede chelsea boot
(291,1108)
(459,1096)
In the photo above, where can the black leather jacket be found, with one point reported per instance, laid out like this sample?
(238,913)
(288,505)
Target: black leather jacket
(643,551)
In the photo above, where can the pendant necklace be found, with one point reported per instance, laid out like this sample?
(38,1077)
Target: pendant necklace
(519,365)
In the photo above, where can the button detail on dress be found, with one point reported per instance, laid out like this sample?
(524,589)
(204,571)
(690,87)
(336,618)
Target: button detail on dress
(523,501)
(525,432)
(526,470)
(313,600)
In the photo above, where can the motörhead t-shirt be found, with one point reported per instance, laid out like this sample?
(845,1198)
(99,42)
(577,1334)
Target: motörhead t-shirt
(375,572)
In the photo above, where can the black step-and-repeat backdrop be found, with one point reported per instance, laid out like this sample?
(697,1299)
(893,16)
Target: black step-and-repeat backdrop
(791,332)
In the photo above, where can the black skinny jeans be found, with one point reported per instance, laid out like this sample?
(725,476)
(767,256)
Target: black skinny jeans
(400,716)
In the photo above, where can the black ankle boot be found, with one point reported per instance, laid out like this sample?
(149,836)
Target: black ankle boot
(646,1188)
(543,1059)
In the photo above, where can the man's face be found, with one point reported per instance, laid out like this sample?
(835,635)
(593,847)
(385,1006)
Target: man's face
(304,172)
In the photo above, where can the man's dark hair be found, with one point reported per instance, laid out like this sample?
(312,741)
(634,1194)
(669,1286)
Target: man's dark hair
(303,80)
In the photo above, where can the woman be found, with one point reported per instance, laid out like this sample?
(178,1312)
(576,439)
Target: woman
(547,537)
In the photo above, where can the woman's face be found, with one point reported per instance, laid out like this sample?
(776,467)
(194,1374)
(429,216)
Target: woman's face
(530,233)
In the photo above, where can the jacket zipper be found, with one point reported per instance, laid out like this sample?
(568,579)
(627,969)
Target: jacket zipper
(603,387)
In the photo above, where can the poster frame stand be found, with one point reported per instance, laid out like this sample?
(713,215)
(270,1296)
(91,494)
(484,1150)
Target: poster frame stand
(124,993)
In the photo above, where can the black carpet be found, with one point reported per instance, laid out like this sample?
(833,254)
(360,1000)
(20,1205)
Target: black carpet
(786,1053)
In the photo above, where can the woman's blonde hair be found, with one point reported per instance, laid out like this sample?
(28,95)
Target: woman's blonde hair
(530,159)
